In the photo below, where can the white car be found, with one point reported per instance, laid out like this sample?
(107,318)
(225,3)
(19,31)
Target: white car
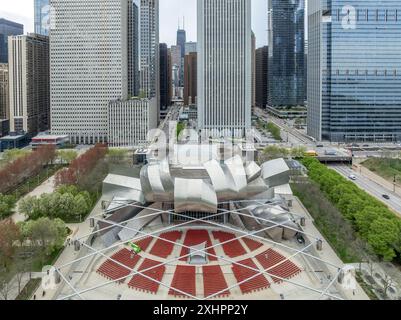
(352,177)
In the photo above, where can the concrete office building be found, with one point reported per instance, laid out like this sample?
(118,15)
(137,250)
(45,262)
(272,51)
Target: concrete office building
(354,70)
(133,49)
(190,78)
(8,28)
(224,72)
(190,47)
(130,121)
(261,78)
(149,49)
(286,30)
(4,94)
(253,69)
(42,14)
(88,69)
(29,83)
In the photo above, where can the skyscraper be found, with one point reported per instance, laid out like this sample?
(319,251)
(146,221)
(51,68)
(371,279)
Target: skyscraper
(8,28)
(176,65)
(261,77)
(164,78)
(4,94)
(42,16)
(133,49)
(149,49)
(354,70)
(190,78)
(286,52)
(253,69)
(181,40)
(224,71)
(89,66)
(29,83)
(190,47)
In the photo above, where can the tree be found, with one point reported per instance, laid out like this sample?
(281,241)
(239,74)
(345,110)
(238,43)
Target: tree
(273,152)
(298,152)
(7,204)
(9,233)
(81,206)
(67,156)
(387,283)
(383,236)
(46,234)
(13,154)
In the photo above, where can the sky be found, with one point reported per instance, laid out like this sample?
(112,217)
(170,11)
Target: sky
(171,11)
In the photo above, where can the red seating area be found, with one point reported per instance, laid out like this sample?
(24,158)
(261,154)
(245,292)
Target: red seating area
(195,237)
(255,284)
(214,281)
(144,243)
(232,249)
(252,244)
(164,249)
(286,270)
(141,283)
(184,280)
(114,271)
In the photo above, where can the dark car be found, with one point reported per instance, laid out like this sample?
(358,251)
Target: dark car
(385,196)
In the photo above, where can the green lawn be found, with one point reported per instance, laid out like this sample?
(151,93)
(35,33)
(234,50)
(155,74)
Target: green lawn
(29,289)
(386,168)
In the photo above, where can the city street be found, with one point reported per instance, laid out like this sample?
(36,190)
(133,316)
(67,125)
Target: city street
(371,187)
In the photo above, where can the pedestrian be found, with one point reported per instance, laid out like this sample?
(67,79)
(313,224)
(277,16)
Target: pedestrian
(34,297)
(44,293)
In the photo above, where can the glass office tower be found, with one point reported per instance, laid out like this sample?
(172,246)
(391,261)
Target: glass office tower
(8,28)
(42,17)
(286,52)
(354,70)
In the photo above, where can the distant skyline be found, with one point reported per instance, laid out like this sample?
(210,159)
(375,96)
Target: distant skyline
(171,11)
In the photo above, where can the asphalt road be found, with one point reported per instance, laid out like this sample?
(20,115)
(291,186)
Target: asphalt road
(371,187)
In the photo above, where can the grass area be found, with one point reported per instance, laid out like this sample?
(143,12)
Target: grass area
(35,181)
(29,289)
(336,230)
(366,287)
(386,168)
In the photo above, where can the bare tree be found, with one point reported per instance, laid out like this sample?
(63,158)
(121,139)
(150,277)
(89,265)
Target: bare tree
(387,283)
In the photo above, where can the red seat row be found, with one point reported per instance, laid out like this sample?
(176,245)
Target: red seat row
(144,243)
(113,271)
(232,249)
(184,280)
(142,283)
(164,249)
(242,273)
(252,244)
(279,265)
(214,281)
(196,237)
